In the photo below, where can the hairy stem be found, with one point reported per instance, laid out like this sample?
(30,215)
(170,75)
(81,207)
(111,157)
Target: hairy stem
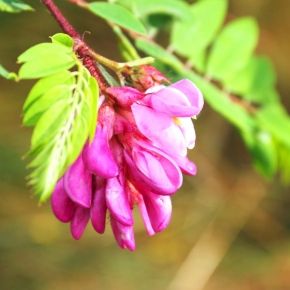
(81,48)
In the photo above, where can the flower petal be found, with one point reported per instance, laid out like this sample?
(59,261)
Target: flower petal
(145,217)
(125,96)
(124,235)
(78,183)
(98,156)
(62,206)
(187,129)
(117,202)
(192,92)
(160,129)
(99,208)
(159,210)
(79,222)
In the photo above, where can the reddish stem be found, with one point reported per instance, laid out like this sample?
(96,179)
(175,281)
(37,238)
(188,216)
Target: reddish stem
(81,48)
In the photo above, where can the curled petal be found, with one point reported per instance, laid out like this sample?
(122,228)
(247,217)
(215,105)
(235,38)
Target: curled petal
(159,210)
(62,206)
(187,129)
(117,202)
(124,235)
(98,156)
(187,166)
(192,92)
(78,183)
(79,222)
(145,217)
(99,208)
(155,169)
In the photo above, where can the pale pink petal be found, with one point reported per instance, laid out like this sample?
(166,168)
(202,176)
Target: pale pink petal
(159,210)
(98,156)
(192,92)
(124,235)
(79,222)
(78,183)
(99,208)
(171,102)
(62,206)
(117,202)
(187,129)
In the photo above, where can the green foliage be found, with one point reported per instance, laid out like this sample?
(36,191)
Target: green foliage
(118,15)
(191,36)
(232,49)
(45,59)
(62,107)
(14,6)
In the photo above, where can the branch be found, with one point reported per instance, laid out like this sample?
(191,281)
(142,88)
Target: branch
(80,48)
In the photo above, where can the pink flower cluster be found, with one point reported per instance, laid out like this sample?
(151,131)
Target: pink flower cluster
(137,158)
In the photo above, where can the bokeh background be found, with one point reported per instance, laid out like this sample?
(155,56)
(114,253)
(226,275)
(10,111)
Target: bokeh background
(230,228)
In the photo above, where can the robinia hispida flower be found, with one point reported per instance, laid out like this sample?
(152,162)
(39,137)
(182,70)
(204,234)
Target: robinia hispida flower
(136,158)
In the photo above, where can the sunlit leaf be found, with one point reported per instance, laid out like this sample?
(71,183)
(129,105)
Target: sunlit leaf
(233,49)
(14,6)
(117,14)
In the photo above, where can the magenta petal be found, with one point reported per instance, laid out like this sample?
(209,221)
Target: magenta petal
(157,169)
(117,202)
(161,130)
(145,217)
(187,129)
(187,166)
(124,235)
(125,96)
(62,206)
(159,209)
(192,92)
(78,183)
(79,222)
(99,208)
(98,156)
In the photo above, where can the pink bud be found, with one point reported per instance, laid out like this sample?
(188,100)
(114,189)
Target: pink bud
(79,222)
(78,183)
(124,235)
(62,206)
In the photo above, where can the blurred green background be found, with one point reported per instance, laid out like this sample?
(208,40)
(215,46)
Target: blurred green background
(230,228)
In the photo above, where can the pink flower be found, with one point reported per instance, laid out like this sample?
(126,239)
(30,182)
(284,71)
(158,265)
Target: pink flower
(136,159)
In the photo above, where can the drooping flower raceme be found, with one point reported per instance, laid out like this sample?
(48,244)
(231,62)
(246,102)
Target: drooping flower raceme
(137,158)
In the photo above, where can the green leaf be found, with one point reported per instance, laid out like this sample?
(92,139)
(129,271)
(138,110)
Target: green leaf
(6,74)
(233,49)
(43,85)
(65,116)
(14,6)
(45,59)
(275,119)
(174,8)
(53,95)
(190,37)
(118,15)
(255,82)
(263,150)
(64,39)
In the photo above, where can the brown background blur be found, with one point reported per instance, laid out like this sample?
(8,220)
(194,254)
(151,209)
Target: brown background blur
(230,228)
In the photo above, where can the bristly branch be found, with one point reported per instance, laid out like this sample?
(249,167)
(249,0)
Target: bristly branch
(81,48)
